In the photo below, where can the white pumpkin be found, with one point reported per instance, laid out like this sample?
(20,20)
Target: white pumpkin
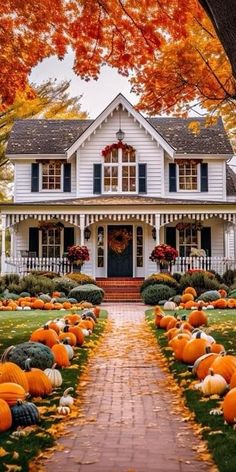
(63,410)
(66,400)
(26,308)
(54,376)
(86,332)
(199,334)
(69,348)
(60,323)
(169,305)
(213,384)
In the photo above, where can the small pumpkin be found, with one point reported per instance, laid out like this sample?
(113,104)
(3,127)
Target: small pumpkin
(187,297)
(222,293)
(213,384)
(11,392)
(54,376)
(24,414)
(194,349)
(63,410)
(165,321)
(54,325)
(229,406)
(39,383)
(5,416)
(69,348)
(61,355)
(198,318)
(190,290)
(38,304)
(221,303)
(87,324)
(45,336)
(169,305)
(10,372)
(96,311)
(231,303)
(217,348)
(197,334)
(68,335)
(178,343)
(66,399)
(77,331)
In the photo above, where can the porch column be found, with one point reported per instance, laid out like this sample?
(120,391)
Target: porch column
(234,245)
(82,228)
(226,241)
(157,228)
(3,255)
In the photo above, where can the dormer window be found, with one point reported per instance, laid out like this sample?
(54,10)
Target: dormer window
(188,175)
(51,175)
(120,171)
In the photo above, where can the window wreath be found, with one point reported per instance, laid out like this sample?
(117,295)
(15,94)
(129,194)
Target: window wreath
(118,240)
(110,147)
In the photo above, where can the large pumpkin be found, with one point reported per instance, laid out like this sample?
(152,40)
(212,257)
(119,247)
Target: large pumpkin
(229,406)
(224,365)
(61,355)
(5,416)
(202,364)
(24,414)
(39,383)
(190,290)
(178,344)
(221,303)
(194,349)
(38,304)
(45,336)
(187,297)
(197,318)
(11,392)
(10,372)
(165,321)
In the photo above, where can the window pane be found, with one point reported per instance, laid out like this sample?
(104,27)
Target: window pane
(51,176)
(188,176)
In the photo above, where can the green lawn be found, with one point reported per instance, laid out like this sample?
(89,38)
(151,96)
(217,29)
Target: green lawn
(221,438)
(16,327)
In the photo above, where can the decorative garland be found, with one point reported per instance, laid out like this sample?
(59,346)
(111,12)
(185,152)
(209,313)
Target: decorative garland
(118,240)
(194,226)
(47,225)
(119,145)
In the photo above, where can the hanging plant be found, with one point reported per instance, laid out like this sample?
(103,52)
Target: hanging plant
(119,145)
(47,225)
(197,226)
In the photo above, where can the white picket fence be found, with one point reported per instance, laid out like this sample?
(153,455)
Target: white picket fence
(25,265)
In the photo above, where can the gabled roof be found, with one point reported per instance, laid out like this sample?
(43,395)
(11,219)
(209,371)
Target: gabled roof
(65,136)
(230,181)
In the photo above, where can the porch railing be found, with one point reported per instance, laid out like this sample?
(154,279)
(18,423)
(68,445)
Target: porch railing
(218,264)
(25,265)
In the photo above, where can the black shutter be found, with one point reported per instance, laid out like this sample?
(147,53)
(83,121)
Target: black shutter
(34,177)
(172,178)
(142,178)
(34,240)
(67,178)
(204,177)
(97,178)
(68,238)
(206,240)
(171,236)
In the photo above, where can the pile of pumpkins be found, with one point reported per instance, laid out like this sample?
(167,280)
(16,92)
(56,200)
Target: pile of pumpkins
(207,359)
(32,368)
(188,301)
(42,302)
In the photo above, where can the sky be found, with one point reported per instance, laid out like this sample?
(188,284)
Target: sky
(96,94)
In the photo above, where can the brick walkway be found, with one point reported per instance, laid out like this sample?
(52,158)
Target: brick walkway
(127,423)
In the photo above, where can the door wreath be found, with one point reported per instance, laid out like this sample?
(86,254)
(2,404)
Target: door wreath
(118,240)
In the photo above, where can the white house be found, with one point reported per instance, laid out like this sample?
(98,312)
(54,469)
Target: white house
(75,184)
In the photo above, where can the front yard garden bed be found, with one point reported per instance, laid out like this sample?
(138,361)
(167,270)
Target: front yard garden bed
(221,437)
(18,448)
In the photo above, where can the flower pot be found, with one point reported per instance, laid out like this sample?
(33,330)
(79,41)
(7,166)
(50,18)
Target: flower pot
(164,267)
(77,266)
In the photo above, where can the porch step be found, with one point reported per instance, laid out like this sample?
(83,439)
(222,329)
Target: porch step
(120,289)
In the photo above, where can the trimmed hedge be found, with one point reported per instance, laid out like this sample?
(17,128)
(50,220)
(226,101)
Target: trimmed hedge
(154,293)
(89,293)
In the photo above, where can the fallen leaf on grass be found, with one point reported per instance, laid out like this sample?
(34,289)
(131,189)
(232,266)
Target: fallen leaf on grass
(3,452)
(12,468)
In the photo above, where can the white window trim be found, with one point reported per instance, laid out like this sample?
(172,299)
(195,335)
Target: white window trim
(45,190)
(120,164)
(178,245)
(61,245)
(198,181)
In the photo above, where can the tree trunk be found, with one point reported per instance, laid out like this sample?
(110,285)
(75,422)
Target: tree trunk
(222,14)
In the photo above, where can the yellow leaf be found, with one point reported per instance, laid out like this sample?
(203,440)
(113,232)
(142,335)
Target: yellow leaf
(3,452)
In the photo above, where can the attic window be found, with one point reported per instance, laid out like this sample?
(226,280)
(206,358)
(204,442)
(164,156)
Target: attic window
(188,176)
(51,175)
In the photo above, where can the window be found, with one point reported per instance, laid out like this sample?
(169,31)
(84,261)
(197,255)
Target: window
(100,247)
(51,175)
(120,171)
(51,243)
(188,238)
(139,243)
(188,178)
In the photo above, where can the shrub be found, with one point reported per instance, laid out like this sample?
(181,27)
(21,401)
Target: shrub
(154,293)
(10,279)
(64,285)
(159,278)
(81,278)
(89,293)
(36,285)
(209,296)
(224,287)
(177,276)
(50,275)
(229,277)
(201,281)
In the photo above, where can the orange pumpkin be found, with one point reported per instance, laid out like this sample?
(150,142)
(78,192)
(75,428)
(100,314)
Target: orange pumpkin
(198,318)
(229,406)
(73,318)
(5,416)
(173,323)
(194,349)
(165,321)
(58,306)
(190,304)
(222,293)
(186,297)
(202,364)
(221,303)
(10,372)
(38,304)
(78,333)
(87,324)
(49,306)
(67,305)
(190,290)
(56,294)
(70,336)
(96,311)
(39,383)
(231,303)
(178,343)
(175,331)
(53,325)
(233,381)
(224,365)
(11,392)
(217,348)
(45,336)
(61,355)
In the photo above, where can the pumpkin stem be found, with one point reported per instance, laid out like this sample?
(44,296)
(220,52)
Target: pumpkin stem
(211,372)
(27,365)
(70,389)
(46,326)
(66,329)
(5,354)
(208,349)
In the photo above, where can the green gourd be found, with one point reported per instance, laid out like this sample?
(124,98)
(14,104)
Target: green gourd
(40,355)
(24,414)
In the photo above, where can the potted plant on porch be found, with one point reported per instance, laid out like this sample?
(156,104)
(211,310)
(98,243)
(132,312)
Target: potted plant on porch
(163,255)
(77,255)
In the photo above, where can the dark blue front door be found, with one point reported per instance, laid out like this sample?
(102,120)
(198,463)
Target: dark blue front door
(120,251)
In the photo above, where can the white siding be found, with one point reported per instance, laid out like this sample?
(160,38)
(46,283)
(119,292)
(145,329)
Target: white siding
(216,183)
(22,190)
(147,152)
